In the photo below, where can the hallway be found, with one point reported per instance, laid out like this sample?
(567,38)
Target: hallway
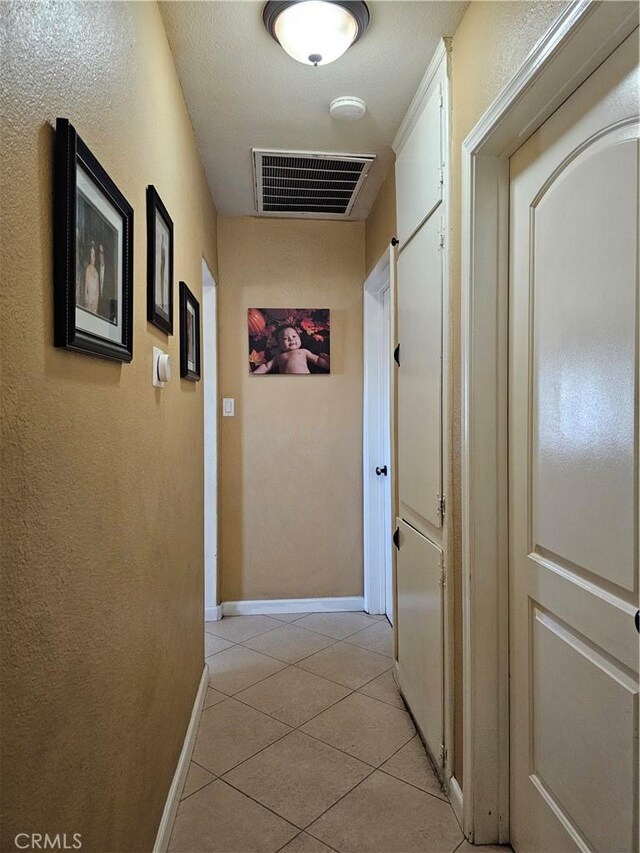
(304,745)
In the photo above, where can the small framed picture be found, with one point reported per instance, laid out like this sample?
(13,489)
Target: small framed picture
(159,263)
(93,254)
(189,334)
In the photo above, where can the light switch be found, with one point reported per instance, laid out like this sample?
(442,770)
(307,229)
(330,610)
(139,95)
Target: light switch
(228,407)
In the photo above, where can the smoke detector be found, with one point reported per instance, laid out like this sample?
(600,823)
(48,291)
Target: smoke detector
(347,108)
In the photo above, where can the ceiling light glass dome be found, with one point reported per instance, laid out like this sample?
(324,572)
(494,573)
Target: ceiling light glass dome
(316,32)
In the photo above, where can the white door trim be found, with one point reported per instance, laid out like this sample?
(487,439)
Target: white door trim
(579,40)
(210,372)
(376,435)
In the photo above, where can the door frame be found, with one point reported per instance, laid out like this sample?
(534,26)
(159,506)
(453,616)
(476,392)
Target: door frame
(377,434)
(212,609)
(582,37)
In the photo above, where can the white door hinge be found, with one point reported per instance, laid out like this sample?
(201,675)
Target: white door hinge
(441,174)
(443,576)
(441,506)
(443,755)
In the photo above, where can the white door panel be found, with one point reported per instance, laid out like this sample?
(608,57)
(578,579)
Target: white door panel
(590,785)
(583,393)
(420,640)
(420,378)
(418,169)
(573,471)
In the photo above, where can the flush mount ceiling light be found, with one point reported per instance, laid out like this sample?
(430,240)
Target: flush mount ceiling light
(315,32)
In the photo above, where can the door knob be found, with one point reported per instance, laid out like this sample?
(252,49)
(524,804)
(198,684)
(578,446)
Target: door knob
(382,470)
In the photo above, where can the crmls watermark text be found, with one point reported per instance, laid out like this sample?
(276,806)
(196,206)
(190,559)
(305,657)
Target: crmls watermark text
(44,841)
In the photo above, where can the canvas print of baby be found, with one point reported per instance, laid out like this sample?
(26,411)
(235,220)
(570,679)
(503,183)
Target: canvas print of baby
(289,340)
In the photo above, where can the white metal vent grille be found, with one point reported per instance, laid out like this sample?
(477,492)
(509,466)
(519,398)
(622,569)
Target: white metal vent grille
(308,184)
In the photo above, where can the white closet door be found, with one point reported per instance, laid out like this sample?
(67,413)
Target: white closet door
(418,169)
(420,378)
(573,491)
(420,649)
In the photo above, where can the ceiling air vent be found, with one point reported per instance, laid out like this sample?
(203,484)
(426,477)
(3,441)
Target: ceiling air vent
(308,183)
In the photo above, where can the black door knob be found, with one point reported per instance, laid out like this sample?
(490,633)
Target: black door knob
(382,470)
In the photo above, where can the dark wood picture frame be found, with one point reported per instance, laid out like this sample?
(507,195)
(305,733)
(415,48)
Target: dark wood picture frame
(189,334)
(155,313)
(72,154)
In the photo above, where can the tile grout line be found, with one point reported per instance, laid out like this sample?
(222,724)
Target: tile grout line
(302,831)
(303,628)
(293,663)
(202,767)
(306,657)
(306,829)
(206,785)
(339,800)
(262,805)
(298,728)
(289,662)
(347,686)
(244,760)
(368,763)
(309,672)
(398,779)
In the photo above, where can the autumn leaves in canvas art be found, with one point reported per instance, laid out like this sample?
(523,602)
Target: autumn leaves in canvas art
(289,340)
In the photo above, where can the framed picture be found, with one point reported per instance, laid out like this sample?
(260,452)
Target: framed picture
(159,263)
(93,254)
(189,334)
(289,340)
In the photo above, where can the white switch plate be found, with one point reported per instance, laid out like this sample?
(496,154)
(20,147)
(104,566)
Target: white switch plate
(228,407)
(157,352)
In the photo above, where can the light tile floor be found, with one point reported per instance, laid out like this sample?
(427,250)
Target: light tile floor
(305,746)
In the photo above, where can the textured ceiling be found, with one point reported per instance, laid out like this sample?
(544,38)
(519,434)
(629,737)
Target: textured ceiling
(244,91)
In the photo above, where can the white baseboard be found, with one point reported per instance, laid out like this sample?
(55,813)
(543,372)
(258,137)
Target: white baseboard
(213,614)
(455,797)
(173,797)
(266,607)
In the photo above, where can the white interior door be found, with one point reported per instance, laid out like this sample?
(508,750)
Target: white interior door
(377,457)
(574,471)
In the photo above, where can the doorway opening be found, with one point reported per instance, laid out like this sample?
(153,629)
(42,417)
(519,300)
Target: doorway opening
(212,611)
(377,452)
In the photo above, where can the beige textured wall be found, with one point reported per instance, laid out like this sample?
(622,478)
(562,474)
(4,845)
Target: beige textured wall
(291,458)
(102,515)
(380,226)
(492,41)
